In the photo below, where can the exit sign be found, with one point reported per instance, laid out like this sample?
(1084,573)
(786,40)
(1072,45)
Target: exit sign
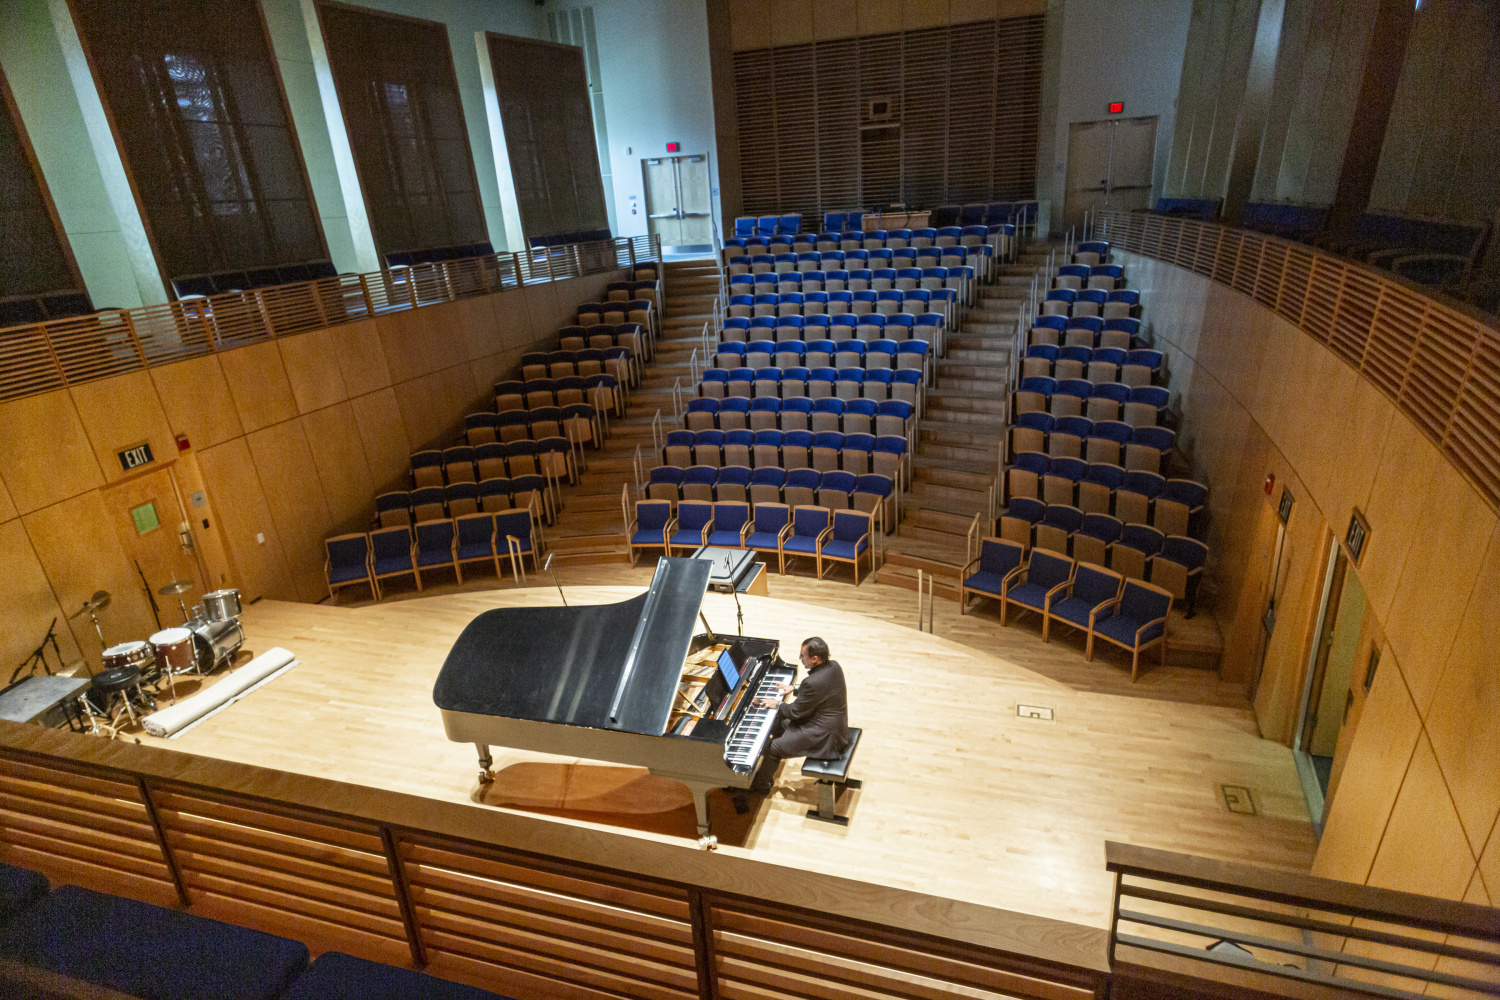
(673,147)
(1116,107)
(134,458)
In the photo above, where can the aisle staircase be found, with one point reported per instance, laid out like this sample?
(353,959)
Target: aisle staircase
(957,459)
(591,527)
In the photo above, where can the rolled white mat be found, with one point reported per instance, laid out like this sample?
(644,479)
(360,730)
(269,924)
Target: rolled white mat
(189,710)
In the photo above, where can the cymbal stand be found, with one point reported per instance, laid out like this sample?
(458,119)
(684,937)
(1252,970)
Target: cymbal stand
(38,656)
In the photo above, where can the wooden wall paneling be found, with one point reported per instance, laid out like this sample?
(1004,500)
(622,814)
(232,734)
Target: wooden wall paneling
(306,358)
(433,406)
(1489,867)
(196,399)
(361,358)
(294,494)
(488,370)
(1464,720)
(383,435)
(219,567)
(1437,580)
(1408,463)
(543,310)
(1353,455)
(1424,849)
(791,22)
(339,454)
(1303,563)
(80,552)
(257,380)
(445,333)
(750,24)
(45,454)
(478,329)
(513,318)
(406,339)
(7,507)
(120,413)
(157,555)
(27,604)
(877,17)
(81,830)
(235,492)
(1377,764)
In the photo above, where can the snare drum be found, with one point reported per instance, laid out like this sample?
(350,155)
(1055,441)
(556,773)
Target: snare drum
(174,650)
(222,605)
(129,654)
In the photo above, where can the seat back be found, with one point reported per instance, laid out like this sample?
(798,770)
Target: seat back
(1048,569)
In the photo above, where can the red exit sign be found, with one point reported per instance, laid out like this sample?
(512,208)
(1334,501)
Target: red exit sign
(1116,107)
(673,147)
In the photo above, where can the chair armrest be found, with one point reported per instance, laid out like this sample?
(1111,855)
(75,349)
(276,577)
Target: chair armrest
(1100,607)
(707,528)
(1155,621)
(746,530)
(823,537)
(669,529)
(1047,599)
(972,563)
(632,528)
(784,533)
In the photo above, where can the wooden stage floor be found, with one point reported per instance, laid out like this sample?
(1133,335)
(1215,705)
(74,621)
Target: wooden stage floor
(961,797)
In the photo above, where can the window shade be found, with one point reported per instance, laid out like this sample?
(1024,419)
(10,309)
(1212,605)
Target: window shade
(198,111)
(399,96)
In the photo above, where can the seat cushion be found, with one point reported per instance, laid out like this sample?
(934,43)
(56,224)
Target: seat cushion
(150,951)
(1030,594)
(1122,629)
(437,557)
(761,540)
(342,574)
(648,537)
(844,550)
(335,976)
(725,539)
(801,543)
(478,550)
(1074,610)
(20,888)
(394,564)
(986,582)
(688,537)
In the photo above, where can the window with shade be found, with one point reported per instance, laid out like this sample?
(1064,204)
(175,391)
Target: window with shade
(198,110)
(546,112)
(399,97)
(38,278)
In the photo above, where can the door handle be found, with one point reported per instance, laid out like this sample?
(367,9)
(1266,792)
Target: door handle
(663,215)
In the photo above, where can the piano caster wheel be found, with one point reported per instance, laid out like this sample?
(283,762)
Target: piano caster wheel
(486,776)
(708,843)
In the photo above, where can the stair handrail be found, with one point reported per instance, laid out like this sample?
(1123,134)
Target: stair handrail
(625,504)
(677,400)
(710,343)
(640,477)
(656,430)
(971,539)
(991,509)
(693,366)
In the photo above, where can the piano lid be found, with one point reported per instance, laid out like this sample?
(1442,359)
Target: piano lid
(606,666)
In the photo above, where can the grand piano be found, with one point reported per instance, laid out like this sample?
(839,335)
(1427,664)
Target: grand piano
(631,683)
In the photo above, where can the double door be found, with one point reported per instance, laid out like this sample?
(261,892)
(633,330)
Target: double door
(678,204)
(1109,166)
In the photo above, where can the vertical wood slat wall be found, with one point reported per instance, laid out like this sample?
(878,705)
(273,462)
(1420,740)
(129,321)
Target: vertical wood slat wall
(1438,363)
(965,108)
(524,925)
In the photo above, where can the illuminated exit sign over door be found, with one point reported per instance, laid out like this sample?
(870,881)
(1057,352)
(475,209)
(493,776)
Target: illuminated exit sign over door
(1116,107)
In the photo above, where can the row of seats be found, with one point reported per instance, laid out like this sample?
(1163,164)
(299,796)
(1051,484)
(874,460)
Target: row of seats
(848,240)
(853,416)
(1138,406)
(594,390)
(1121,303)
(767,225)
(124,947)
(1121,333)
(934,272)
(835,535)
(1173,561)
(578,422)
(1105,605)
(441,542)
(839,267)
(550,456)
(641,311)
(1094,441)
(613,337)
(1099,487)
(519,491)
(826,451)
(1091,252)
(839,328)
(872,492)
(878,384)
(825,352)
(1091,364)
(619,361)
(885,301)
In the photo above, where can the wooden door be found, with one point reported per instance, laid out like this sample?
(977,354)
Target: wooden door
(663,214)
(1109,166)
(146,513)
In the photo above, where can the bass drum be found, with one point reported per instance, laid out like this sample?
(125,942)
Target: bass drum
(215,643)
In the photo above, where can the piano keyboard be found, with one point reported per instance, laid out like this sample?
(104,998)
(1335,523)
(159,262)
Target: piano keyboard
(749,736)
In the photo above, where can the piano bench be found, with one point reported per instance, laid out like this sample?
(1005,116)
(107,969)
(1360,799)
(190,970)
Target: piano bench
(833,778)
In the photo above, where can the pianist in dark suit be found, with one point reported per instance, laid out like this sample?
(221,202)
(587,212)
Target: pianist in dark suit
(815,723)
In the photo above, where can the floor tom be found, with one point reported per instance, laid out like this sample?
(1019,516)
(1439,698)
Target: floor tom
(215,643)
(222,605)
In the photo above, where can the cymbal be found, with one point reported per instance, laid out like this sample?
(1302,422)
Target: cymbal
(98,601)
(176,587)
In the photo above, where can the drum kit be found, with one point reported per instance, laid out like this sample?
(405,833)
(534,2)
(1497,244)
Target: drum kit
(134,671)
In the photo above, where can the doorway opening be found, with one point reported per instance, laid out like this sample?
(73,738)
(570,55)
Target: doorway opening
(1109,166)
(1328,694)
(678,202)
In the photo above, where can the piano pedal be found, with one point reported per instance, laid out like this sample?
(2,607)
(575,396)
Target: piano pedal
(709,843)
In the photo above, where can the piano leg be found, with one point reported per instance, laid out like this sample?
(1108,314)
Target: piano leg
(485,761)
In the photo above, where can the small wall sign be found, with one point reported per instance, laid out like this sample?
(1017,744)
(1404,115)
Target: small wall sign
(134,458)
(145,518)
(1355,537)
(1284,510)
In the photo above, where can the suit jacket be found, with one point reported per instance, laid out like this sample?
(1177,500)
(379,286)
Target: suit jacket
(817,722)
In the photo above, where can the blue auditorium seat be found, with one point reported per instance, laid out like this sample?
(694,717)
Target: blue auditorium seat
(335,976)
(20,888)
(150,951)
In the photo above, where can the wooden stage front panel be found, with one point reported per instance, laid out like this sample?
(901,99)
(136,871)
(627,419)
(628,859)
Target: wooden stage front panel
(962,798)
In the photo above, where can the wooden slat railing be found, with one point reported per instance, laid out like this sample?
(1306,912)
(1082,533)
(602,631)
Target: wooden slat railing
(1439,362)
(42,357)
(528,907)
(1288,934)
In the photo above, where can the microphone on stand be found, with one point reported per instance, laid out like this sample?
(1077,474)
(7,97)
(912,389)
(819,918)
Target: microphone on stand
(739,612)
(550,572)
